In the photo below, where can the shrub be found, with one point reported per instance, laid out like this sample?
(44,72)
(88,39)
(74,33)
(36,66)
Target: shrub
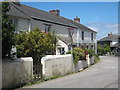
(35,44)
(102,50)
(78,54)
(96,58)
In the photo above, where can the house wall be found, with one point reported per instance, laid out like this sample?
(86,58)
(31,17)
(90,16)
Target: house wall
(77,37)
(21,24)
(16,72)
(58,29)
(54,65)
(87,37)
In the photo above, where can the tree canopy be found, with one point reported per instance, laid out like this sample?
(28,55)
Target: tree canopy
(7,32)
(35,44)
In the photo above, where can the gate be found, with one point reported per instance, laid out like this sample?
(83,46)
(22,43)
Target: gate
(37,70)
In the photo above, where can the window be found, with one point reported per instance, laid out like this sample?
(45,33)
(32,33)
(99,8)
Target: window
(91,36)
(47,28)
(82,35)
(61,51)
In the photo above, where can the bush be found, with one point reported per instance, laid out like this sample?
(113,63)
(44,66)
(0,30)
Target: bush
(90,52)
(102,50)
(78,54)
(35,44)
(96,58)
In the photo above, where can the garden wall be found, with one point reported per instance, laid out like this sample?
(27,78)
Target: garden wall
(54,65)
(16,72)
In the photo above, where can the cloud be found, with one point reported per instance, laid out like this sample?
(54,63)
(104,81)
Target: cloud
(103,28)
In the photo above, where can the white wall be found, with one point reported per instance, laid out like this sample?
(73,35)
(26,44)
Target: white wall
(87,37)
(16,72)
(54,65)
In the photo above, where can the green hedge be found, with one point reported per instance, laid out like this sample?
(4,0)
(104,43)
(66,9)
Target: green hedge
(78,54)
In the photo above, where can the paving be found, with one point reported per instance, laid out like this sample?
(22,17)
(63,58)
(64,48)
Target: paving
(101,75)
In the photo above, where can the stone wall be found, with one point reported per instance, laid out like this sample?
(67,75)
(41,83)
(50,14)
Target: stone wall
(54,65)
(16,72)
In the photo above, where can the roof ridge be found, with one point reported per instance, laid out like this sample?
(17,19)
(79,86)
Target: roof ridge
(67,23)
(79,23)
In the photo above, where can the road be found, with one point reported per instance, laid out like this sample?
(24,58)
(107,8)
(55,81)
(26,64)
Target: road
(101,75)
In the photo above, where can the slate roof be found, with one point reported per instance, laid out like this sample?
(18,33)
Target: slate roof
(29,12)
(79,25)
(15,12)
(109,38)
(64,39)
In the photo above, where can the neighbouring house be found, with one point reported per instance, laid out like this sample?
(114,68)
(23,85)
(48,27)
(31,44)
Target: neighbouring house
(26,18)
(83,37)
(111,40)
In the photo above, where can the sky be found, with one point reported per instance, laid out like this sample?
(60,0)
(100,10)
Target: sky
(99,16)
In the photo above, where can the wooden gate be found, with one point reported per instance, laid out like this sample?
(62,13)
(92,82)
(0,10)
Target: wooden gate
(37,70)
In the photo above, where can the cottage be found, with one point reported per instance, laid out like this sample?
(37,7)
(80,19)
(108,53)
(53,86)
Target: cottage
(26,18)
(111,40)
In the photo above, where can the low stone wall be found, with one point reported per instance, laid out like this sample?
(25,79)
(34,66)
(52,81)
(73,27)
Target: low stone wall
(82,64)
(54,65)
(16,72)
(92,60)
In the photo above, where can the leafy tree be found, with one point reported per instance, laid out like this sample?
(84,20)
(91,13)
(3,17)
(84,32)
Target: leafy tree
(7,32)
(106,48)
(102,50)
(35,44)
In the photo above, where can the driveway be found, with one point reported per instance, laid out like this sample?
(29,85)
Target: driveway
(101,75)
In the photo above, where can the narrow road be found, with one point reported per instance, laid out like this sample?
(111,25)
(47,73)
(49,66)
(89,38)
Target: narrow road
(102,75)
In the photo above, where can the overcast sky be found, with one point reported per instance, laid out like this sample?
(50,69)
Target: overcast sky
(100,16)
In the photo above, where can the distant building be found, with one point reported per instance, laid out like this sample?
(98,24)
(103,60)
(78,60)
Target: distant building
(27,18)
(113,41)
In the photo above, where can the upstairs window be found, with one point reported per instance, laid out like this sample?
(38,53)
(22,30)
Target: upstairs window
(82,35)
(91,36)
(47,28)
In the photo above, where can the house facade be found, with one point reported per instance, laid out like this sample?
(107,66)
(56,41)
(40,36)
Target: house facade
(112,41)
(26,18)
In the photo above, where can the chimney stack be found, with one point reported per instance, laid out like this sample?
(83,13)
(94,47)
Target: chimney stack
(77,19)
(55,12)
(110,34)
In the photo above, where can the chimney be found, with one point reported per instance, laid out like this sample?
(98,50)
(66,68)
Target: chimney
(110,34)
(77,19)
(55,12)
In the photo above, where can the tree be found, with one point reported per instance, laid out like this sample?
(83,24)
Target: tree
(35,44)
(7,32)
(100,50)
(106,49)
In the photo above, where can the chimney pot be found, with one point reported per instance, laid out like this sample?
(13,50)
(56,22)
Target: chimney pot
(77,19)
(110,34)
(55,12)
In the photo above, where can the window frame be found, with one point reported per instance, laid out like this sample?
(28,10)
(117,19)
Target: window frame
(92,36)
(83,35)
(47,28)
